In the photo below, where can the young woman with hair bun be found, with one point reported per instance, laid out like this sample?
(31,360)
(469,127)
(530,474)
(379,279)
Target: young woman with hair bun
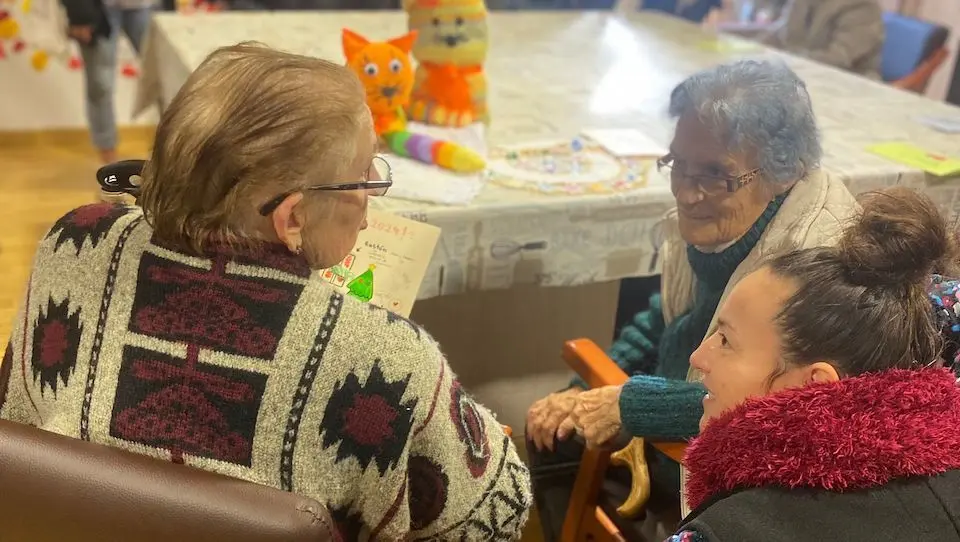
(829,414)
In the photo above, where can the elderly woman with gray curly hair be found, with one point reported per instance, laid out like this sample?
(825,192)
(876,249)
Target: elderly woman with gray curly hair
(744,169)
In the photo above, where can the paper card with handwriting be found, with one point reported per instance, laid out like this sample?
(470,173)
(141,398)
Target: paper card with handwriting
(388,263)
(627,142)
(911,155)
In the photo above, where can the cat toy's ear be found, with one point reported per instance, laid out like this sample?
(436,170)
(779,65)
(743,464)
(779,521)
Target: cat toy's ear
(405,42)
(353,43)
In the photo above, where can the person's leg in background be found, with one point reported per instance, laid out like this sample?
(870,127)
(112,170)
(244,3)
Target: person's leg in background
(100,73)
(134,22)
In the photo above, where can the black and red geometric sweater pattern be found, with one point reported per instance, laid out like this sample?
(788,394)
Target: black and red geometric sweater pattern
(242,364)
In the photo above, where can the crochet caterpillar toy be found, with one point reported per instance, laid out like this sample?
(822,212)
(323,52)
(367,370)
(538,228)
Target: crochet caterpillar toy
(385,70)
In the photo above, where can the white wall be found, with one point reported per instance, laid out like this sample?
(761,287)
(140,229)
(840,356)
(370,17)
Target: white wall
(51,97)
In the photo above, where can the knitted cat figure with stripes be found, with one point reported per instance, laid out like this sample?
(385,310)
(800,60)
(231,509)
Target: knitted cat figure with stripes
(450,87)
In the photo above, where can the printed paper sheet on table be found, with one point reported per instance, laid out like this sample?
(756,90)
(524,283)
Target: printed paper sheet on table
(388,263)
(417,181)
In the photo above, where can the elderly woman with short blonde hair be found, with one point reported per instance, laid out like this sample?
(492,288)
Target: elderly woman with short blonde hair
(194,329)
(744,167)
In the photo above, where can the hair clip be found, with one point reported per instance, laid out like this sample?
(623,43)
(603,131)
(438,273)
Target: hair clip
(117,178)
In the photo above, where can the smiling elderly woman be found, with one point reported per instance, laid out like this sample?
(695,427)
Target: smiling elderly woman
(744,168)
(194,330)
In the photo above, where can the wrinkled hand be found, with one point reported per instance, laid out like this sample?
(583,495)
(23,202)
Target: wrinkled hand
(81,33)
(595,417)
(545,416)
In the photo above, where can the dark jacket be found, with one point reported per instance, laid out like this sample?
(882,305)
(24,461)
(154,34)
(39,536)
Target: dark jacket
(88,13)
(868,458)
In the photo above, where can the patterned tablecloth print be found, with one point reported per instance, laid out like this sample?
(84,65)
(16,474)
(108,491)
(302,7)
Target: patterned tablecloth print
(552,75)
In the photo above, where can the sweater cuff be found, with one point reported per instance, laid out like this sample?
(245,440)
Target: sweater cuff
(657,408)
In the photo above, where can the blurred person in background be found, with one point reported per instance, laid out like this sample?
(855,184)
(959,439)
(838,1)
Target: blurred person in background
(96,25)
(846,34)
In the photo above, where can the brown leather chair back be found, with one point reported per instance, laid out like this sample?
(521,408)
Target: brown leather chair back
(58,489)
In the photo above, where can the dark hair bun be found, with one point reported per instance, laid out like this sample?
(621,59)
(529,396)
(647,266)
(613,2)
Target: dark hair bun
(899,239)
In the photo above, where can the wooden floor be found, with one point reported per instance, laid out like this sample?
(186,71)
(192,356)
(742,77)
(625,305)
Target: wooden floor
(41,181)
(38,184)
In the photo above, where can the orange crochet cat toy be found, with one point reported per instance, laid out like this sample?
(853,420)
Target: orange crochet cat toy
(385,71)
(450,87)
(387,76)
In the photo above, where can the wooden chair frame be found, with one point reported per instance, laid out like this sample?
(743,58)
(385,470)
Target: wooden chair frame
(585,520)
(918,79)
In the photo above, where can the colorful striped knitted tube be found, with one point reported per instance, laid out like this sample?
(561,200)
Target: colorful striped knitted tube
(428,150)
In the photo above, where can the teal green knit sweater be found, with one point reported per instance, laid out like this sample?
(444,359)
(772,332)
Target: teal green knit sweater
(657,402)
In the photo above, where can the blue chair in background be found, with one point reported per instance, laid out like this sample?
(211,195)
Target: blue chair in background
(912,51)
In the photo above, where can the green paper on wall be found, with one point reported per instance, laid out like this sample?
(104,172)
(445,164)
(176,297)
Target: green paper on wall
(911,155)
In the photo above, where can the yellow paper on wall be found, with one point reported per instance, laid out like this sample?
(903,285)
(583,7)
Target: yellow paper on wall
(911,155)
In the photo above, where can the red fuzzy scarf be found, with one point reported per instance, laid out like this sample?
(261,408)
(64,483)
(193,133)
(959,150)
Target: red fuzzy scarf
(857,433)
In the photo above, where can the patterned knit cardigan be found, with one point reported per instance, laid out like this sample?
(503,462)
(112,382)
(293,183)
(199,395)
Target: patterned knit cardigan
(246,366)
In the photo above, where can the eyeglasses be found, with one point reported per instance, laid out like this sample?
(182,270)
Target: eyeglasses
(710,185)
(377,180)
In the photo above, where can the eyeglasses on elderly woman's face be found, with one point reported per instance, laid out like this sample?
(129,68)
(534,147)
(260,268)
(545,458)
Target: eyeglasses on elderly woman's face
(376,181)
(710,183)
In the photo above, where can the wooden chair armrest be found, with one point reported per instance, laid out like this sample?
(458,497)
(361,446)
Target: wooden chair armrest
(918,79)
(592,364)
(673,450)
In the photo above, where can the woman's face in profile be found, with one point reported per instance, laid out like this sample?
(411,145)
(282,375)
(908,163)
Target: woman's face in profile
(742,357)
(335,221)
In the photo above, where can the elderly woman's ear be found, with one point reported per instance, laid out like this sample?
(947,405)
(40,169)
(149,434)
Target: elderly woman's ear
(287,222)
